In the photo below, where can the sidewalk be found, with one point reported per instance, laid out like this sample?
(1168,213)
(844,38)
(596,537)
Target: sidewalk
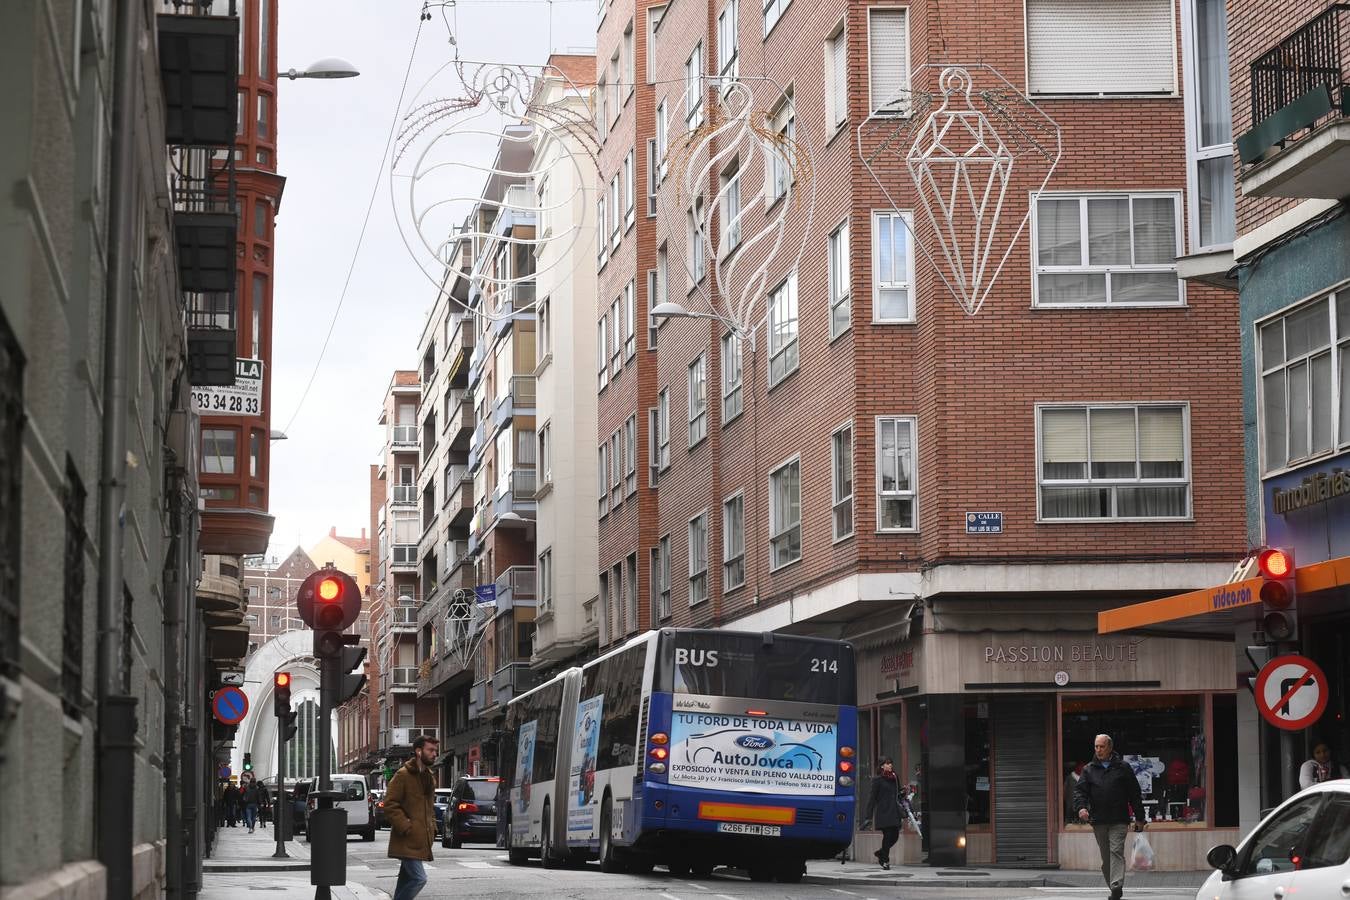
(241,861)
(821,871)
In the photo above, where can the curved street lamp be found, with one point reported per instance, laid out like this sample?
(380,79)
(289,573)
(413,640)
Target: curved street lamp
(671,310)
(328,67)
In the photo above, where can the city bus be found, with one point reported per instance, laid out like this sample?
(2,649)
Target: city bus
(689,748)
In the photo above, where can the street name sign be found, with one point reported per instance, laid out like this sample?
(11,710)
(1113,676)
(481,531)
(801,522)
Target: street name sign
(1291,692)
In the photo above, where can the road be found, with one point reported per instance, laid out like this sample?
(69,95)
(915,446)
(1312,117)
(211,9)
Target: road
(480,870)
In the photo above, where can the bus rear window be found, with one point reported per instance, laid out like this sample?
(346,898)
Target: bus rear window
(716,664)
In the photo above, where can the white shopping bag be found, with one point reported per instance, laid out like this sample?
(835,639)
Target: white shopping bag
(1141,857)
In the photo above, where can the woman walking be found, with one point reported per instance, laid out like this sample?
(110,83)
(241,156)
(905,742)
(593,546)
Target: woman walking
(883,810)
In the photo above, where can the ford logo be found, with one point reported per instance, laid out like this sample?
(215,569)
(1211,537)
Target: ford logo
(754,742)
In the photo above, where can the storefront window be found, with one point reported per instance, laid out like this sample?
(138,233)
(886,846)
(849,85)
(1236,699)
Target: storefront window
(977,763)
(1161,737)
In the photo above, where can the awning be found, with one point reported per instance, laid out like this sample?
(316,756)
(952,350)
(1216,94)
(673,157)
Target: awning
(1216,610)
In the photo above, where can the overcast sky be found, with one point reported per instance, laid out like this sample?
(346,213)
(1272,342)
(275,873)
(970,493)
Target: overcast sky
(331,139)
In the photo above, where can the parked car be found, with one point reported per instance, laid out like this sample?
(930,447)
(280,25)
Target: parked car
(377,808)
(442,802)
(354,801)
(1301,849)
(471,813)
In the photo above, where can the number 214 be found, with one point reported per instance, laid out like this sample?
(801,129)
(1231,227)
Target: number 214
(825,665)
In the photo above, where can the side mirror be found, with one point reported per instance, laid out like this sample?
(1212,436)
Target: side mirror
(1222,857)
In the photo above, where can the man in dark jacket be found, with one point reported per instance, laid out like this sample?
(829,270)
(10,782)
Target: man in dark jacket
(410,807)
(1106,794)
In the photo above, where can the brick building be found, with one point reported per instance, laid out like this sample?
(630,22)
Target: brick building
(814,469)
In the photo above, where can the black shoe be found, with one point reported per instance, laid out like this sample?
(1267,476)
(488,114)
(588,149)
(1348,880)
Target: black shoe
(885,864)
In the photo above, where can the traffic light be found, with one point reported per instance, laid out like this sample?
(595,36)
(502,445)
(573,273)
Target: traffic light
(349,657)
(289,725)
(281,693)
(248,762)
(1279,595)
(329,600)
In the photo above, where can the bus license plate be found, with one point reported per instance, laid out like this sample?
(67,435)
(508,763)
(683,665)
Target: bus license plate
(742,828)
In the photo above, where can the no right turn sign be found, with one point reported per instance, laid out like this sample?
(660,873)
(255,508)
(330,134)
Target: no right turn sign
(1291,692)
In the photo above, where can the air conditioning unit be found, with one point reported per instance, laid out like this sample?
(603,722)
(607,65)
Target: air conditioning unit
(401,737)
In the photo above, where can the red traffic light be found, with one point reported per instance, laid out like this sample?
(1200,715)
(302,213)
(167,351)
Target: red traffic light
(282,679)
(329,600)
(1275,563)
(329,590)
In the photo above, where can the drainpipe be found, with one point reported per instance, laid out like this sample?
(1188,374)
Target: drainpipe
(174,602)
(117,711)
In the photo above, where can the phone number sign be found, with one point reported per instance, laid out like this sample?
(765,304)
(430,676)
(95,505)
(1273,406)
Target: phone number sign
(243,398)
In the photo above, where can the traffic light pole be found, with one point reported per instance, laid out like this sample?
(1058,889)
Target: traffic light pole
(279,810)
(328,834)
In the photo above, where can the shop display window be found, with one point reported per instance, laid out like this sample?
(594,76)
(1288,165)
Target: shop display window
(1160,736)
(979,786)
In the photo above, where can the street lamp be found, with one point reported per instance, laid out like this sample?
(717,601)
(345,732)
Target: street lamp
(328,67)
(671,310)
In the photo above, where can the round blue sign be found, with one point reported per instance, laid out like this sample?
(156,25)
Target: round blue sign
(229,705)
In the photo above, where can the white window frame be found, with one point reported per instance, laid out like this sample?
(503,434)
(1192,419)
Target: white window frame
(630,455)
(616,338)
(773,12)
(662,131)
(728,43)
(788,350)
(630,319)
(661,583)
(902,220)
(616,464)
(693,231)
(698,560)
(545,454)
(912,492)
(1198,153)
(629,60)
(616,204)
(778,176)
(653,298)
(654,14)
(603,479)
(653,450)
(602,353)
(733,378)
(732,555)
(774,536)
(698,400)
(840,279)
(900,109)
(839,500)
(601,230)
(653,177)
(694,88)
(543,349)
(545,563)
(663,429)
(730,194)
(1113,483)
(629,190)
(836,113)
(601,113)
(1083,249)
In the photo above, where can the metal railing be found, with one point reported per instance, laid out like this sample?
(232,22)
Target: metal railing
(405,434)
(514,586)
(1305,60)
(405,676)
(522,390)
(405,494)
(403,555)
(455,553)
(402,615)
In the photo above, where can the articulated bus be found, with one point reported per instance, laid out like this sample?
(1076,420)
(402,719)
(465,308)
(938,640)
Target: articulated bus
(690,748)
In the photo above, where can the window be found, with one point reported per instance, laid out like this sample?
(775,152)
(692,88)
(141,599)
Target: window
(630,454)
(603,480)
(616,342)
(784,124)
(698,558)
(728,42)
(545,454)
(630,567)
(1113,462)
(1096,48)
(542,202)
(620,600)
(601,114)
(255,445)
(663,429)
(546,581)
(602,353)
(840,308)
(655,296)
(893,267)
(896,480)
(654,14)
(836,77)
(616,448)
(1305,366)
(601,229)
(698,400)
(629,62)
(1329,844)
(693,229)
(783,330)
(542,341)
(608,627)
(888,61)
(733,542)
(1209,126)
(693,88)
(616,91)
(730,195)
(629,318)
(662,142)
(731,378)
(1270,850)
(841,459)
(615,205)
(1118,249)
(263,114)
(661,580)
(785,514)
(218,450)
(773,11)
(629,189)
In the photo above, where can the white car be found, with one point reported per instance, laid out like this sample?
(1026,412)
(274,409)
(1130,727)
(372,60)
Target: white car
(354,801)
(1300,850)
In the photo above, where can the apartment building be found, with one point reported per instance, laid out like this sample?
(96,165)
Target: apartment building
(960,495)
(566,622)
(271,586)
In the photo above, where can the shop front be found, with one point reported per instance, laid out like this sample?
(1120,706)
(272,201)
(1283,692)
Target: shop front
(990,730)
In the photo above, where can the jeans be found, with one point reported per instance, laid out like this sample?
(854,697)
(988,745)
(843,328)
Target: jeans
(1111,843)
(251,815)
(412,877)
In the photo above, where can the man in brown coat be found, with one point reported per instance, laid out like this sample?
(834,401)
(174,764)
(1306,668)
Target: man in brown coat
(409,805)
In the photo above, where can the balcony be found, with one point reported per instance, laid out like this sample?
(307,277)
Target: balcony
(477,443)
(404,495)
(512,680)
(460,351)
(476,363)
(459,497)
(515,493)
(460,423)
(516,587)
(480,698)
(199,67)
(401,618)
(518,399)
(211,338)
(517,208)
(509,303)
(403,557)
(403,678)
(1299,145)
(405,436)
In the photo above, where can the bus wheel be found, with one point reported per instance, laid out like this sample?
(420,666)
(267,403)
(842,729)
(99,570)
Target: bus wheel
(678,867)
(546,858)
(790,872)
(760,872)
(702,868)
(609,857)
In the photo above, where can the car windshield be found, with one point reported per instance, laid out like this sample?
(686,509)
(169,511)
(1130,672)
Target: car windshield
(482,791)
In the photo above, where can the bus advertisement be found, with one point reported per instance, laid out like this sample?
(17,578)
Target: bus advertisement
(689,748)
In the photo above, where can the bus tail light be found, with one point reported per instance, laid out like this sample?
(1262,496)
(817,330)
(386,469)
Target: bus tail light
(846,752)
(659,753)
(756,712)
(660,738)
(659,768)
(845,781)
(845,766)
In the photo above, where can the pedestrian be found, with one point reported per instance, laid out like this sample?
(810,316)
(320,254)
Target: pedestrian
(251,797)
(1107,793)
(1320,768)
(410,808)
(264,806)
(232,797)
(883,810)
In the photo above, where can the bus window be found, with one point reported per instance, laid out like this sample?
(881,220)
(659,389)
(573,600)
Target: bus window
(742,665)
(619,679)
(544,709)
